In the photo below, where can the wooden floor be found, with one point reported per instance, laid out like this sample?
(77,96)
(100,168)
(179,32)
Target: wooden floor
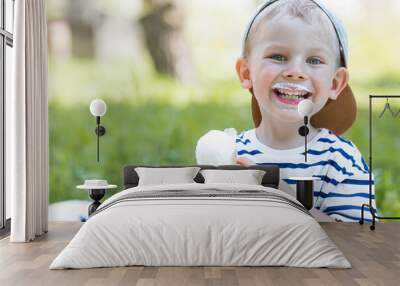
(375,256)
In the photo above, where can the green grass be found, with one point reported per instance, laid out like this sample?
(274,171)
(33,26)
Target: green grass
(155,120)
(153,132)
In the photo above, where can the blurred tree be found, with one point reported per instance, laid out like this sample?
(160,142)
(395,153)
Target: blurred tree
(82,17)
(163,26)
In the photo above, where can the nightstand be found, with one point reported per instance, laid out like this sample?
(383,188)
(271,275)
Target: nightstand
(96,190)
(305,190)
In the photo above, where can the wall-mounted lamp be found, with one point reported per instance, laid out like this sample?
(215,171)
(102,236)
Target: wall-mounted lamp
(98,108)
(305,108)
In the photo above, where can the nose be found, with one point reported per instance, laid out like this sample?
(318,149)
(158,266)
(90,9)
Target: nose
(295,71)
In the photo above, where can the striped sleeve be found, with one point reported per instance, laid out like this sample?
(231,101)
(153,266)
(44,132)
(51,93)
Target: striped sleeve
(342,195)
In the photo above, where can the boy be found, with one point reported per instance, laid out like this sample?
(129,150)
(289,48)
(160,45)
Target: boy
(293,50)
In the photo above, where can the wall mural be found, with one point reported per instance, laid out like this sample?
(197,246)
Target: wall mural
(183,84)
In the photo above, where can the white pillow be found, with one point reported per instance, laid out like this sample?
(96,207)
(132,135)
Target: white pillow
(163,176)
(248,177)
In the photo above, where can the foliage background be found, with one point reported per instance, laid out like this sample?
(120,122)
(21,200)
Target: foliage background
(156,119)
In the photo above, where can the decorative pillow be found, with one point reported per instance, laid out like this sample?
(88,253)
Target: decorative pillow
(162,176)
(248,177)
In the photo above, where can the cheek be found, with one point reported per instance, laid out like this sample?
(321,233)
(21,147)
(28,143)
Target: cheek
(323,88)
(263,79)
(322,79)
(265,74)
(322,82)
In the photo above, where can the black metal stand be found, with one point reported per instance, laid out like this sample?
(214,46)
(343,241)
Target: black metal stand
(303,131)
(369,205)
(305,137)
(305,193)
(96,195)
(100,131)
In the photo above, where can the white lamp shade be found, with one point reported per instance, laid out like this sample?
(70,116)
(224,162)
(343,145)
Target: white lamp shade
(305,107)
(98,107)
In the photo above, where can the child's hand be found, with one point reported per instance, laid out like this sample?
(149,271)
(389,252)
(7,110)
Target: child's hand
(244,162)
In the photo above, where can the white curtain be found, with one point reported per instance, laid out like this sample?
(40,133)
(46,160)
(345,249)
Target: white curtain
(27,124)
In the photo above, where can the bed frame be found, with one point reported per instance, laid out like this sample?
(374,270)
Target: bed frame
(270,179)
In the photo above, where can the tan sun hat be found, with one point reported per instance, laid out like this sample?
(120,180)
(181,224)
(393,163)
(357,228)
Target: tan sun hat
(337,115)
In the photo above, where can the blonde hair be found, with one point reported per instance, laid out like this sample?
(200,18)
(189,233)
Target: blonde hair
(305,10)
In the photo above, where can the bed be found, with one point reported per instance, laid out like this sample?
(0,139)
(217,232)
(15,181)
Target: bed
(201,224)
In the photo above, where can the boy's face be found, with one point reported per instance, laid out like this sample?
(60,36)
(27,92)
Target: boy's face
(290,60)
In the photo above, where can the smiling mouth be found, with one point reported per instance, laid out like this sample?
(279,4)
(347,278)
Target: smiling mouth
(292,97)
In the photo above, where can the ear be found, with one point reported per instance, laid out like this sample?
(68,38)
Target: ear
(243,71)
(339,82)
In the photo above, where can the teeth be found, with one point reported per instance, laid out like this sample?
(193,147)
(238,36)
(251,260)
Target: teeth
(291,88)
(292,94)
(295,93)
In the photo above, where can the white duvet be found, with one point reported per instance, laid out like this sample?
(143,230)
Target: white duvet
(190,231)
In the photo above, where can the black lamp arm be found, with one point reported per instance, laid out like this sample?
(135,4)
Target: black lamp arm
(303,131)
(100,131)
(305,137)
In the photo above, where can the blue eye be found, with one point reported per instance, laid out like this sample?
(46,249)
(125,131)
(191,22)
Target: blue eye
(314,61)
(278,57)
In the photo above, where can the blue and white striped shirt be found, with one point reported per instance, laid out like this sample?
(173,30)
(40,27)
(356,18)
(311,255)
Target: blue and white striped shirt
(344,175)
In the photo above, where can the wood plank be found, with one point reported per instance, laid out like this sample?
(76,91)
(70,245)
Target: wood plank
(374,255)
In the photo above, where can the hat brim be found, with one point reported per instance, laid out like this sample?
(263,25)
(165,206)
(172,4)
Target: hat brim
(337,115)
